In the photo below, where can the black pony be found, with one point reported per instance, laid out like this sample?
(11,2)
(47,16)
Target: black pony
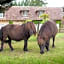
(17,33)
(48,30)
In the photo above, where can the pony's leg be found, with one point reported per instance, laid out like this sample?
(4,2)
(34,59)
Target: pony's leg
(25,45)
(47,45)
(2,43)
(40,47)
(9,43)
(53,42)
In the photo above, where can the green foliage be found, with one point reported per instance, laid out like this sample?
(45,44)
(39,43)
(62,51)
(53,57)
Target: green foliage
(5,1)
(14,3)
(10,22)
(37,3)
(45,17)
(36,21)
(30,3)
(27,21)
(5,5)
(19,4)
(26,3)
(58,21)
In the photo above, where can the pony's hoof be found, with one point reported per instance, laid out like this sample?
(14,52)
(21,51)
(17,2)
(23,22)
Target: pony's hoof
(53,46)
(42,52)
(25,50)
(47,50)
(1,50)
(12,49)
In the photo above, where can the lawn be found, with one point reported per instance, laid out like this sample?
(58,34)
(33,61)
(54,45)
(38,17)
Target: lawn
(33,56)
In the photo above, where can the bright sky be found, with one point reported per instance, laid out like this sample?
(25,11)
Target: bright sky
(54,3)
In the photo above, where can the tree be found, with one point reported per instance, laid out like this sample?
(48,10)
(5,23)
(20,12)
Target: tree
(2,2)
(26,3)
(19,4)
(31,3)
(5,4)
(15,3)
(45,17)
(37,3)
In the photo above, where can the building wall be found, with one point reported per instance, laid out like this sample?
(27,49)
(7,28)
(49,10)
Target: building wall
(5,22)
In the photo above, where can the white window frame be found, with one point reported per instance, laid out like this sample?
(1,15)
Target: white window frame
(1,14)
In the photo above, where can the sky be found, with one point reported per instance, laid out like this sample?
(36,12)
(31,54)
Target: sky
(53,3)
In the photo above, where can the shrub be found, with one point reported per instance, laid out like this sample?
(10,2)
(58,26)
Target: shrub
(45,17)
(10,22)
(27,21)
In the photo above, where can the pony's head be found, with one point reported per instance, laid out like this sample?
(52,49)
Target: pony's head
(31,28)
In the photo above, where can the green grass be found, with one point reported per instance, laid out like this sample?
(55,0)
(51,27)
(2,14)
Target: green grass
(33,56)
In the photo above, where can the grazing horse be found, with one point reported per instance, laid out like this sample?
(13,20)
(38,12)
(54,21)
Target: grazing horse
(17,33)
(48,30)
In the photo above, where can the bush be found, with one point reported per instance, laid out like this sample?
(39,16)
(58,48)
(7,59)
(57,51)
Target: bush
(10,22)
(58,21)
(37,21)
(45,17)
(27,21)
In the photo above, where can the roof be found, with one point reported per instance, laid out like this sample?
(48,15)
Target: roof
(13,13)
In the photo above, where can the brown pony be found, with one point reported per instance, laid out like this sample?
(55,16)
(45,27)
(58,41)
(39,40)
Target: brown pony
(47,31)
(17,33)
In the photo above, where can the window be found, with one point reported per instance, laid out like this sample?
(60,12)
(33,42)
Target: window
(40,12)
(24,13)
(1,15)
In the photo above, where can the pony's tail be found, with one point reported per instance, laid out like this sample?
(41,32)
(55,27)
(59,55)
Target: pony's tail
(1,34)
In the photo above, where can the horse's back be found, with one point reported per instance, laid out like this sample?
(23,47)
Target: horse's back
(13,31)
(49,28)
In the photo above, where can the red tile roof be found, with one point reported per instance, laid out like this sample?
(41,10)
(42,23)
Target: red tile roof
(13,13)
